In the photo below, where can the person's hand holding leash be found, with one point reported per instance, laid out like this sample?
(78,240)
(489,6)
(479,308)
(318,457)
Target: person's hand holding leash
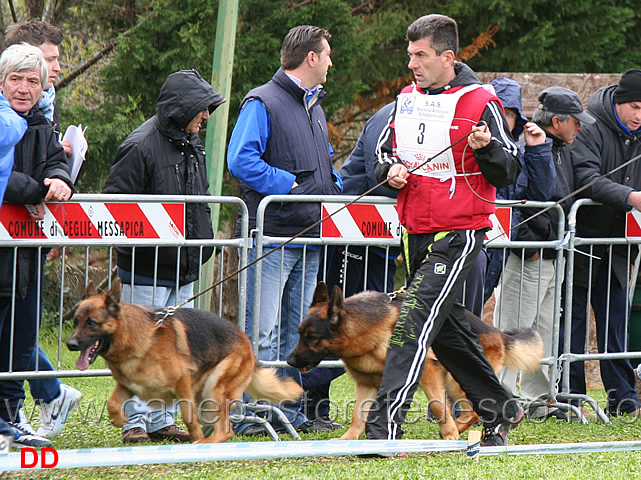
(480,136)
(397,175)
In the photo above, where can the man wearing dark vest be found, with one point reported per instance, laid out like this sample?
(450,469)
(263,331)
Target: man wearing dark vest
(444,205)
(280,146)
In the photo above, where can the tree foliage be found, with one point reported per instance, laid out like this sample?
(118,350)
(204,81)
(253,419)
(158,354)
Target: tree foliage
(368,50)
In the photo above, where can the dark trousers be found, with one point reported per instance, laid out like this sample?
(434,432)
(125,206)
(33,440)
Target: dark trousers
(350,270)
(5,428)
(23,344)
(617,375)
(472,295)
(429,316)
(316,383)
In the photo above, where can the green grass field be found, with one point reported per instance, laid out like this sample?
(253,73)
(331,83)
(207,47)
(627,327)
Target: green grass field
(89,428)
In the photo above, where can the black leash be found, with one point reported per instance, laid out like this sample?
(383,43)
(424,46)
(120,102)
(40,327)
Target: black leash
(171,310)
(578,190)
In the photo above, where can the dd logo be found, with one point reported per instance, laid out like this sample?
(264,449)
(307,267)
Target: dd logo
(30,462)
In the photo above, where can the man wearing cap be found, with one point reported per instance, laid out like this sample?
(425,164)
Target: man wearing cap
(525,296)
(611,141)
(164,156)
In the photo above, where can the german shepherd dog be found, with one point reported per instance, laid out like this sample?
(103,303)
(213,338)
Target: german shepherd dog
(357,330)
(192,356)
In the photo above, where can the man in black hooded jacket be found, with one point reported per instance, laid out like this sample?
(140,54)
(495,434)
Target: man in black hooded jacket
(164,156)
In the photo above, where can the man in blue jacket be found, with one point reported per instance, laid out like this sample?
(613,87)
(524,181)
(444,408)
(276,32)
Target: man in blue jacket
(280,146)
(13,127)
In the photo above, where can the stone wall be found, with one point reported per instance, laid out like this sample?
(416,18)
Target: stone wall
(585,84)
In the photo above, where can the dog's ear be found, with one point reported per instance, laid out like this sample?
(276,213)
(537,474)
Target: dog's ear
(320,294)
(90,290)
(335,308)
(114,294)
(112,299)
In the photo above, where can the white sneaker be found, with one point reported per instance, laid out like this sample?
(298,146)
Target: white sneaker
(54,414)
(5,443)
(26,435)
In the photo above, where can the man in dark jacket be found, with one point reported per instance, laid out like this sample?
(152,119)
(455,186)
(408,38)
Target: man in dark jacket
(358,177)
(442,206)
(347,268)
(39,173)
(164,156)
(614,139)
(56,400)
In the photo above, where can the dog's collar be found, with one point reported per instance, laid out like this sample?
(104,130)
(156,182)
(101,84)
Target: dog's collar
(395,294)
(163,314)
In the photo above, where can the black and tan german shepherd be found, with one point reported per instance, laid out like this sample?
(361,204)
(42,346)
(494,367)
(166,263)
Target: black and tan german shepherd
(357,330)
(193,356)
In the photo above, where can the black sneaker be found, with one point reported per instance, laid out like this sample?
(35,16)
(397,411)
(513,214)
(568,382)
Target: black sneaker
(382,455)
(324,421)
(495,435)
(313,426)
(254,430)
(558,414)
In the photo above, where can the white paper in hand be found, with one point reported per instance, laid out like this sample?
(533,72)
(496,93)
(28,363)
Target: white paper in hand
(75,135)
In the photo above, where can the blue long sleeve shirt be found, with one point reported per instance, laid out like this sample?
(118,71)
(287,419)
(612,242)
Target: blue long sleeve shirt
(246,147)
(12,127)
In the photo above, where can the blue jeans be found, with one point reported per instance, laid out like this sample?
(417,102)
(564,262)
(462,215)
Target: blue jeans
(6,429)
(290,294)
(24,341)
(43,389)
(138,412)
(162,297)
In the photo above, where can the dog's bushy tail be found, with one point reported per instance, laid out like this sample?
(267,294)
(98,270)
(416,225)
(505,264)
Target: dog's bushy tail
(266,385)
(523,350)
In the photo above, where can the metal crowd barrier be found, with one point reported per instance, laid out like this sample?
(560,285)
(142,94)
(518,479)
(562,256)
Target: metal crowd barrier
(256,239)
(262,242)
(92,204)
(566,358)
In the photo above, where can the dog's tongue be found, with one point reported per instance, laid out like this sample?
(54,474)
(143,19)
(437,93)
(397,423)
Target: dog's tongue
(83,362)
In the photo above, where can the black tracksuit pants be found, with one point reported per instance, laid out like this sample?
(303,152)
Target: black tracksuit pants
(430,316)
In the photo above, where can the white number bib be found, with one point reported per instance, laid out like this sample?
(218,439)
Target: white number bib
(422,129)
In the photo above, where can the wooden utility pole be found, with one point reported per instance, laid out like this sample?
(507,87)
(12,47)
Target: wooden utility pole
(216,137)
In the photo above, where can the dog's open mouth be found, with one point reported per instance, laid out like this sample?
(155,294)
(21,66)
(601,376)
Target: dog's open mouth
(89,355)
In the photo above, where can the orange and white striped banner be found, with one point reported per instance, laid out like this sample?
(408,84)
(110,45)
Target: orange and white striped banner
(360,220)
(97,220)
(633,224)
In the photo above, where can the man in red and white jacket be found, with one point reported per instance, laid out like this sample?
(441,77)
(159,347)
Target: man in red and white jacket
(444,205)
